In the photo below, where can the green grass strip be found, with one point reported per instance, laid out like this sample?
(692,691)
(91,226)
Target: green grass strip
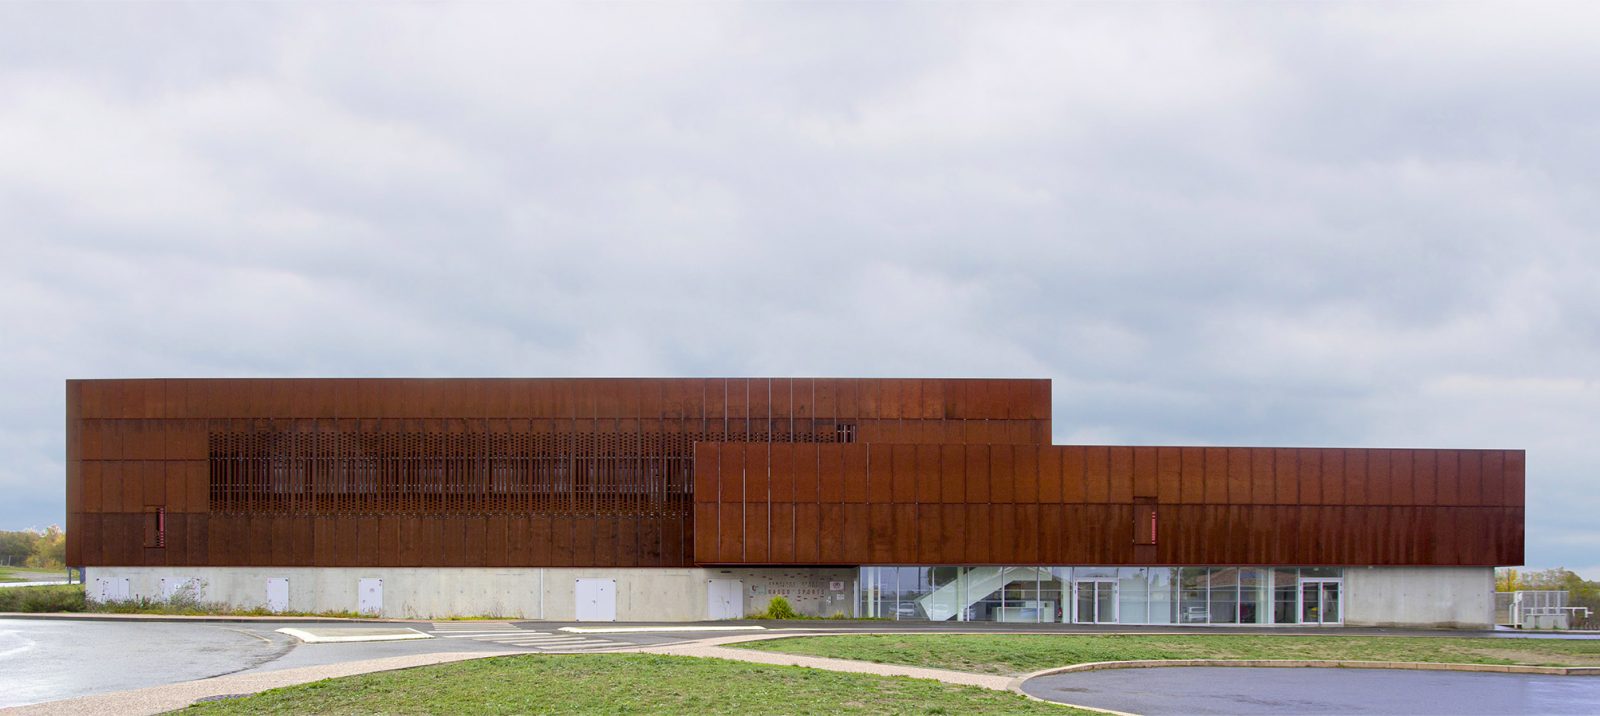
(1023,653)
(627,684)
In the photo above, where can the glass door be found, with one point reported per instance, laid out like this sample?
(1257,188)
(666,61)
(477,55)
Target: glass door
(1095,601)
(1319,601)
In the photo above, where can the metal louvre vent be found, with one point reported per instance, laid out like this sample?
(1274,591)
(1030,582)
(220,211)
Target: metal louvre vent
(569,473)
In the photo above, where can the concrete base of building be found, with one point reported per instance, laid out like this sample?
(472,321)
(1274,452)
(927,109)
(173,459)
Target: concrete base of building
(1427,597)
(1412,597)
(550,593)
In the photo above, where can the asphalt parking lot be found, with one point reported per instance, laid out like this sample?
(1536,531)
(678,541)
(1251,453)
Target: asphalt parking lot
(1251,691)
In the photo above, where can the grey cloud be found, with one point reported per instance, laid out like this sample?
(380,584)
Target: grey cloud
(1323,224)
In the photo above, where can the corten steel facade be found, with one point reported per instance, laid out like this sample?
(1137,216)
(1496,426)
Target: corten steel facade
(714,473)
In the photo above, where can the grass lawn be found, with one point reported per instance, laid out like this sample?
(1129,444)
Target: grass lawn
(1023,653)
(627,683)
(30,574)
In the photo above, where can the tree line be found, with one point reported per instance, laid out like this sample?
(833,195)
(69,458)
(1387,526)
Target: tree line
(42,549)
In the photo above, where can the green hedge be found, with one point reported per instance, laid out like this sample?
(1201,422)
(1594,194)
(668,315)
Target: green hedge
(54,598)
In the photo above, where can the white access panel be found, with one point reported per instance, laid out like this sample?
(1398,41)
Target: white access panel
(369,597)
(278,594)
(596,600)
(114,589)
(170,586)
(724,598)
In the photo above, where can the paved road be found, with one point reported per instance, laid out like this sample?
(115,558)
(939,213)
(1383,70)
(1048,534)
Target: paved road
(45,660)
(1246,691)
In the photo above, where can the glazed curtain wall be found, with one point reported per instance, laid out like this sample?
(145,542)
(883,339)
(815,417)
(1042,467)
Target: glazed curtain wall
(458,472)
(1035,504)
(1252,596)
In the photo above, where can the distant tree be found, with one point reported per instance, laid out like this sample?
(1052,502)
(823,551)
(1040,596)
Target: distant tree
(1507,580)
(1580,592)
(49,549)
(16,547)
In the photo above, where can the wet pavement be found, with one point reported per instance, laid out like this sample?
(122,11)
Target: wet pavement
(49,659)
(1251,691)
(44,660)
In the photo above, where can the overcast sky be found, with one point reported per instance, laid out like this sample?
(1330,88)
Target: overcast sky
(1226,224)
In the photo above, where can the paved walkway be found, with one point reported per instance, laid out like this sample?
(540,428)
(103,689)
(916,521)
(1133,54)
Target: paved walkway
(716,649)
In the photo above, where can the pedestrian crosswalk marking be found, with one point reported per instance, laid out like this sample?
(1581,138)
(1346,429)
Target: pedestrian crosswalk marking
(508,634)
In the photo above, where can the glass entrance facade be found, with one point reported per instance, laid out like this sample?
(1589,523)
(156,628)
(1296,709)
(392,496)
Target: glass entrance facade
(1249,596)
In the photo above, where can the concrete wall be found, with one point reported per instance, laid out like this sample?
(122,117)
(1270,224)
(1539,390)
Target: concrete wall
(1443,597)
(643,594)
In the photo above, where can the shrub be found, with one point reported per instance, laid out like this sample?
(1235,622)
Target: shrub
(54,598)
(778,608)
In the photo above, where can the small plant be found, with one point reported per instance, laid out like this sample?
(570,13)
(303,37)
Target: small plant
(778,608)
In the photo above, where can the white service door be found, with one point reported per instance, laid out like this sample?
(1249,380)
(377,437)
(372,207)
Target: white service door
(596,600)
(278,594)
(724,598)
(369,597)
(114,589)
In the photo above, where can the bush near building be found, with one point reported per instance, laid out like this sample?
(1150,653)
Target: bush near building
(56,598)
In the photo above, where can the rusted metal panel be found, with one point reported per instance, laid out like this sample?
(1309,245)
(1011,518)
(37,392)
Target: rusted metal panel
(757,531)
(952,474)
(807,532)
(878,475)
(1121,475)
(1493,472)
(1002,474)
(1025,466)
(1026,528)
(1470,471)
(1449,477)
(1192,477)
(1097,474)
(1354,478)
(1216,476)
(926,474)
(1516,466)
(1146,481)
(1333,476)
(1378,480)
(975,470)
(730,532)
(977,535)
(1003,535)
(781,535)
(904,530)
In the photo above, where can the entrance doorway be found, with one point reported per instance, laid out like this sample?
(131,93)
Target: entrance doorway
(1320,601)
(1094,601)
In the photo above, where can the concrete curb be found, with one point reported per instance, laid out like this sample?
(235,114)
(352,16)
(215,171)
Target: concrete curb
(1016,682)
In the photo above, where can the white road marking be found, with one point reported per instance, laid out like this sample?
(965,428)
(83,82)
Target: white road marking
(635,630)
